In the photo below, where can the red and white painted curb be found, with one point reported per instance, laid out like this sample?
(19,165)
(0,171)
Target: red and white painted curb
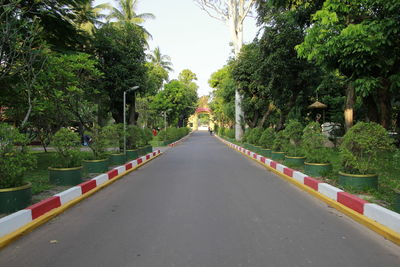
(20,218)
(372,211)
(180,140)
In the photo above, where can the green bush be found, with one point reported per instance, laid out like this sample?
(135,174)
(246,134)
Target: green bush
(293,132)
(99,142)
(221,131)
(15,159)
(147,136)
(280,142)
(116,136)
(230,133)
(267,138)
(313,143)
(362,146)
(67,145)
(246,135)
(255,136)
(134,137)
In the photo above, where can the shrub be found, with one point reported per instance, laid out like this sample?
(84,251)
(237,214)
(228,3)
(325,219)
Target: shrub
(134,137)
(116,136)
(254,136)
(246,135)
(280,142)
(67,144)
(313,143)
(15,160)
(361,147)
(267,138)
(293,133)
(221,131)
(147,136)
(99,140)
(230,133)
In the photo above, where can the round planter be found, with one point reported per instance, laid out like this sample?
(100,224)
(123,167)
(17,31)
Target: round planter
(117,159)
(65,176)
(95,166)
(16,198)
(277,155)
(266,152)
(141,151)
(396,203)
(148,149)
(317,169)
(297,161)
(358,181)
(132,154)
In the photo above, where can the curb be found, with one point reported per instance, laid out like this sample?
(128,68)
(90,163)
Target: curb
(379,219)
(23,221)
(180,140)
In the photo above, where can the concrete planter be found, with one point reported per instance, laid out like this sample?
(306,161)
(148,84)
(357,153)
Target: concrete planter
(117,159)
(95,166)
(396,203)
(358,181)
(148,149)
(266,152)
(317,169)
(132,154)
(297,161)
(15,198)
(277,155)
(65,176)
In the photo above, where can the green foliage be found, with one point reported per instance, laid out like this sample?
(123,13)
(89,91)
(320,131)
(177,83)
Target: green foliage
(230,133)
(293,132)
(362,146)
(267,138)
(134,137)
(100,140)
(313,142)
(15,160)
(116,135)
(254,136)
(280,142)
(67,145)
(147,136)
(246,135)
(172,134)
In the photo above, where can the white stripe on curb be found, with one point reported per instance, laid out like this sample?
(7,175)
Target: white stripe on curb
(329,190)
(383,216)
(69,194)
(14,221)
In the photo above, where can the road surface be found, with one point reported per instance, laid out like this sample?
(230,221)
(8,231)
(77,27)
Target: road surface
(201,204)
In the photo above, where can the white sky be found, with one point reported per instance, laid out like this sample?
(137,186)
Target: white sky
(190,37)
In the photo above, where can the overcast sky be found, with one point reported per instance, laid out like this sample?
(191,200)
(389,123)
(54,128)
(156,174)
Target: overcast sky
(190,37)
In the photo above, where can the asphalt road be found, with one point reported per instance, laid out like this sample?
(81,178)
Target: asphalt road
(201,204)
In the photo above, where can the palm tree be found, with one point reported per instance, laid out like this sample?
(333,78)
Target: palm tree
(126,14)
(89,16)
(159,59)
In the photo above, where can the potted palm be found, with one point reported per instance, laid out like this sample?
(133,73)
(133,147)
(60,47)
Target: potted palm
(293,132)
(317,161)
(360,151)
(67,167)
(117,157)
(98,161)
(278,146)
(266,141)
(15,161)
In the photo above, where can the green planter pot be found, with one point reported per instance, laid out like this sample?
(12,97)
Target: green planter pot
(65,176)
(357,181)
(317,169)
(266,152)
(396,203)
(117,159)
(246,146)
(95,166)
(16,198)
(132,154)
(142,151)
(148,149)
(258,149)
(297,161)
(277,155)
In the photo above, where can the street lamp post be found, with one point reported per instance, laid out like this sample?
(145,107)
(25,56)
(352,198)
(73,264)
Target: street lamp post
(131,89)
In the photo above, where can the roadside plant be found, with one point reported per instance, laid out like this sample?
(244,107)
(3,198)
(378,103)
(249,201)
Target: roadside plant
(134,137)
(280,142)
(15,159)
(255,136)
(246,135)
(293,132)
(267,138)
(147,136)
(116,136)
(362,147)
(313,143)
(67,145)
(99,141)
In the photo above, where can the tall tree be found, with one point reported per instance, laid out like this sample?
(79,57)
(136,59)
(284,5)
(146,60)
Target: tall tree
(88,16)
(126,13)
(233,13)
(157,58)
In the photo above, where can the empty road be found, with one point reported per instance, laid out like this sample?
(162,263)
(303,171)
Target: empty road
(201,204)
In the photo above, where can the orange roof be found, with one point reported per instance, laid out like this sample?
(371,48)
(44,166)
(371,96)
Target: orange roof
(199,110)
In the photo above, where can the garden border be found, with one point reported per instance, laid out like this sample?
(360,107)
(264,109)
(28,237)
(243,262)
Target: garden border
(21,222)
(377,218)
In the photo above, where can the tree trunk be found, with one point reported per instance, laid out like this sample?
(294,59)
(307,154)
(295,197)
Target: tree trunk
(265,116)
(349,106)
(133,116)
(385,105)
(372,108)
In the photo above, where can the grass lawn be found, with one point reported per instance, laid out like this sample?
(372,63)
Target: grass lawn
(39,177)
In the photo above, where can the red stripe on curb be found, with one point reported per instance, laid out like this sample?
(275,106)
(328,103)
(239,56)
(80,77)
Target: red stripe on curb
(248,152)
(273,164)
(255,155)
(44,206)
(351,201)
(311,182)
(112,174)
(87,186)
(288,172)
(147,157)
(128,166)
(139,160)
(263,159)
(154,153)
